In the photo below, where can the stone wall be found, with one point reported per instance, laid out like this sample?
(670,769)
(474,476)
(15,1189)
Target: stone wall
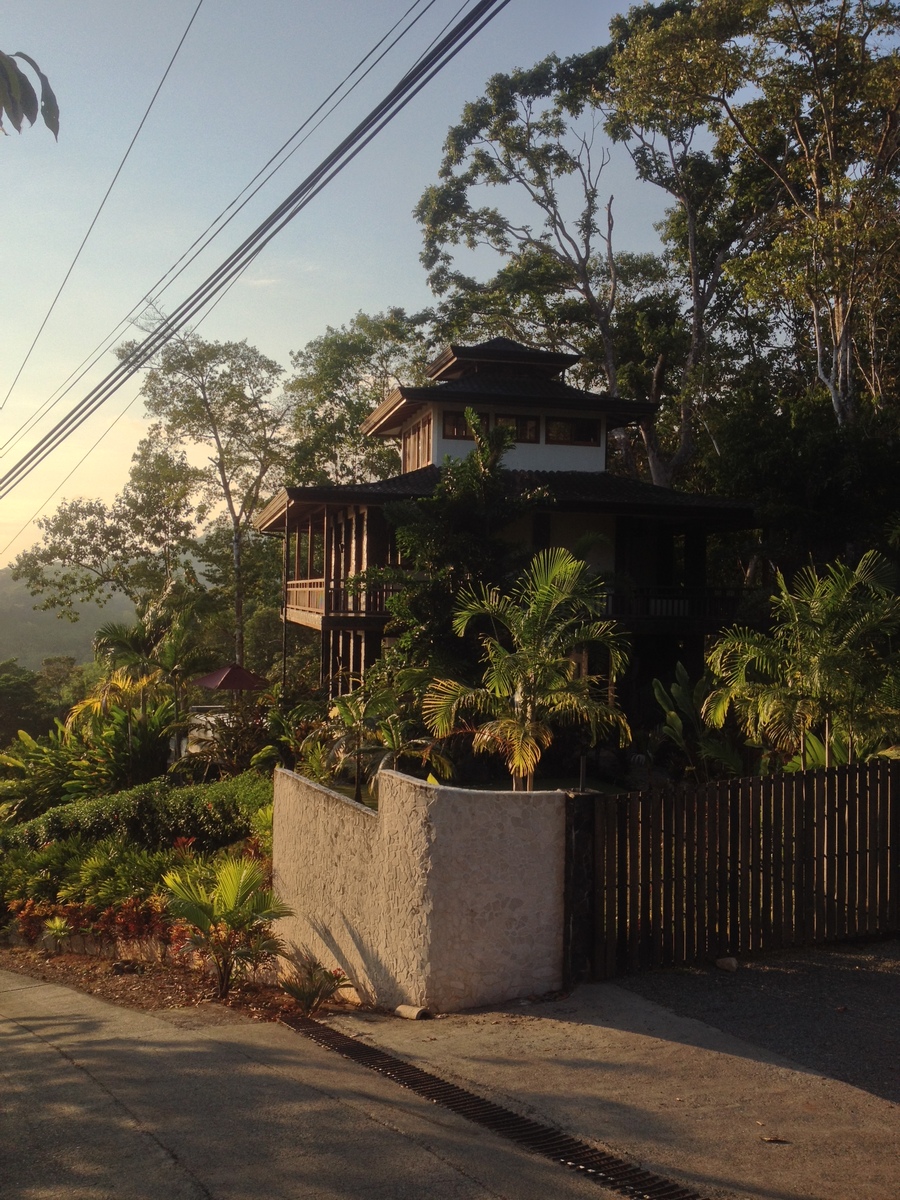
(445,897)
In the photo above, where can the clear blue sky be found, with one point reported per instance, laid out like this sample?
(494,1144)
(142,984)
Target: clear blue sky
(246,77)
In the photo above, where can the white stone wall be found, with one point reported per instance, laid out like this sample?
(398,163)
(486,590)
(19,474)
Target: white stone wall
(445,897)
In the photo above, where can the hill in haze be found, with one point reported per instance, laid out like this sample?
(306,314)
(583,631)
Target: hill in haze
(32,636)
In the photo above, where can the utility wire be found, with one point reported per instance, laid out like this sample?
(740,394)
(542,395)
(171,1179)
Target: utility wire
(100,209)
(397,99)
(236,277)
(169,277)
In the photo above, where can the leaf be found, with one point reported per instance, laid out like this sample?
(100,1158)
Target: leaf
(49,105)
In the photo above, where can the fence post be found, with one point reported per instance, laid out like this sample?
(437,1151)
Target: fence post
(578,897)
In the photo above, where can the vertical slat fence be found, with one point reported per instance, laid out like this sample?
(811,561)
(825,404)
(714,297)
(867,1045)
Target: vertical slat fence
(743,866)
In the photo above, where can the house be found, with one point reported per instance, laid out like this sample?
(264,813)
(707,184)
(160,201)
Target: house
(648,542)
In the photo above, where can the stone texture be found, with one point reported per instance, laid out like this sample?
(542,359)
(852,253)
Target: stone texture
(444,898)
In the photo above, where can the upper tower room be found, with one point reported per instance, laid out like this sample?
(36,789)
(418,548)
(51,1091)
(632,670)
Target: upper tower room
(556,427)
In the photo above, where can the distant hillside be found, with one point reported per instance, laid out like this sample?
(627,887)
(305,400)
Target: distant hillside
(32,636)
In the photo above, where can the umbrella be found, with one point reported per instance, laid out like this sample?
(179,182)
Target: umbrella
(231,679)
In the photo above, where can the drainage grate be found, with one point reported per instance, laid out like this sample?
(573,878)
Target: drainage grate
(612,1172)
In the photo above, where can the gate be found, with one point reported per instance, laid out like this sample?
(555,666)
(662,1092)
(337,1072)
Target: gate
(683,875)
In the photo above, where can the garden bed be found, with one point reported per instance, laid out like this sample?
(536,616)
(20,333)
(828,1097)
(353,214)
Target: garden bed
(147,985)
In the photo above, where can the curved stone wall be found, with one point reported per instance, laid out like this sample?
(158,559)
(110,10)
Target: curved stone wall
(445,897)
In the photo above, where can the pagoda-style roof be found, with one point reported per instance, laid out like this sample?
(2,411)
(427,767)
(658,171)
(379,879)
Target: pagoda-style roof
(501,371)
(565,491)
(502,352)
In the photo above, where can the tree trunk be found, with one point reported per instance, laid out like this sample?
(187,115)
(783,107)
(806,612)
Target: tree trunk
(237,557)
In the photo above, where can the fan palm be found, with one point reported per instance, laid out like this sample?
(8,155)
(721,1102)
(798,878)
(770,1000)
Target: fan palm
(820,668)
(531,679)
(230,918)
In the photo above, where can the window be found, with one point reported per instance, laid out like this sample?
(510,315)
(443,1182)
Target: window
(526,429)
(573,431)
(456,429)
(417,445)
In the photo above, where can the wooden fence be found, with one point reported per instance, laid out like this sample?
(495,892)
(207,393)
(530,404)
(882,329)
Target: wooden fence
(684,875)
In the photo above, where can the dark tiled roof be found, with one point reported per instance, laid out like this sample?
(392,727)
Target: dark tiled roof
(572,491)
(602,491)
(457,358)
(520,388)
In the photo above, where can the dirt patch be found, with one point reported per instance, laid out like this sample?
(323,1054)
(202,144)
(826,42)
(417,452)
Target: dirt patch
(151,986)
(834,1009)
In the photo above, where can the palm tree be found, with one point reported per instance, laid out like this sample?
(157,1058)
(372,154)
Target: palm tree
(162,643)
(532,679)
(822,666)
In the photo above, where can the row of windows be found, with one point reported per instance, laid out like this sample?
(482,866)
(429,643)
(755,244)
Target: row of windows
(561,431)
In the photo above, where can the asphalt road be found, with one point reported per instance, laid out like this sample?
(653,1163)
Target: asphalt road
(108,1103)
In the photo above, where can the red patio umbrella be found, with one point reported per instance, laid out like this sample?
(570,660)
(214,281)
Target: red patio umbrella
(231,679)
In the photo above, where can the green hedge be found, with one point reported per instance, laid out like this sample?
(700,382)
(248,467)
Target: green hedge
(154,814)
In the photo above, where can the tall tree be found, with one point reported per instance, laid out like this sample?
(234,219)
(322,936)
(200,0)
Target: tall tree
(220,395)
(339,378)
(802,97)
(643,323)
(137,545)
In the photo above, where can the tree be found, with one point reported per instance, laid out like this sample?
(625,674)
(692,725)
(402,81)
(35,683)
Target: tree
(136,546)
(531,679)
(516,137)
(641,322)
(802,99)
(165,643)
(18,99)
(823,667)
(219,395)
(339,379)
(21,703)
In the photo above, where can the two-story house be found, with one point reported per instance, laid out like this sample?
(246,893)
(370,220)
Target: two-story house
(648,542)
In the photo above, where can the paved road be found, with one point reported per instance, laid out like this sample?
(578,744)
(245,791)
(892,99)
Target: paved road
(107,1103)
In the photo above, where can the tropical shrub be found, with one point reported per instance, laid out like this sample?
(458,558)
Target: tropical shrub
(828,668)
(230,910)
(154,815)
(59,932)
(704,753)
(311,984)
(38,771)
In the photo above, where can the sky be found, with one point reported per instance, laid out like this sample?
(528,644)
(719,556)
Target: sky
(246,77)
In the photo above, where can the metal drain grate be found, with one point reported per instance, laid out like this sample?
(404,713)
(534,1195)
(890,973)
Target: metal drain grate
(612,1172)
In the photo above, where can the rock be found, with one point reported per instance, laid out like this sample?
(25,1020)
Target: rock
(727,964)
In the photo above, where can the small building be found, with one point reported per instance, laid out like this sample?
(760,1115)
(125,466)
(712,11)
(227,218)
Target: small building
(649,544)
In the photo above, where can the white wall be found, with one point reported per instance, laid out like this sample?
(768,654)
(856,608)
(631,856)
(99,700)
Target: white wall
(445,897)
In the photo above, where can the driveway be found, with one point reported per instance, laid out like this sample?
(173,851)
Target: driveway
(108,1103)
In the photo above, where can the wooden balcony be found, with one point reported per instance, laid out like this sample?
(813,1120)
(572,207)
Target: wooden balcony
(310,603)
(647,609)
(703,609)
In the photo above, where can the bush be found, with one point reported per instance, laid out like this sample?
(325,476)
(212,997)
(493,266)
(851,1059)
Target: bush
(153,815)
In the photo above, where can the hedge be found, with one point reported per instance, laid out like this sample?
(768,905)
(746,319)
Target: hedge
(154,814)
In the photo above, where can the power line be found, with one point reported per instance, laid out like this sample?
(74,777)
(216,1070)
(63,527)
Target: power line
(203,241)
(100,209)
(409,86)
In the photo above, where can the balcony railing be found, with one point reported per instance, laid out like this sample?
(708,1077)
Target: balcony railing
(673,603)
(644,605)
(311,596)
(308,595)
